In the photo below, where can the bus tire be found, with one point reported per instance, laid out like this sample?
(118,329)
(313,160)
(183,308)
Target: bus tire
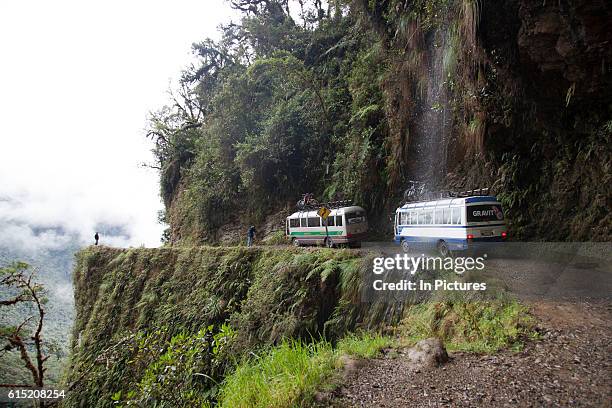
(443,249)
(405,245)
(295,242)
(328,243)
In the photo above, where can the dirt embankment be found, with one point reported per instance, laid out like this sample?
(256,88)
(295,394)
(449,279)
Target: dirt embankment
(569,366)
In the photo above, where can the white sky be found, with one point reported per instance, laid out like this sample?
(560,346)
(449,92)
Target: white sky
(77,79)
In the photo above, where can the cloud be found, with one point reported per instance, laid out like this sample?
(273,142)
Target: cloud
(48,218)
(78,80)
(24,238)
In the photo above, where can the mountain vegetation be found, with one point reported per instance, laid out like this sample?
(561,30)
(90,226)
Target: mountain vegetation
(353,99)
(140,311)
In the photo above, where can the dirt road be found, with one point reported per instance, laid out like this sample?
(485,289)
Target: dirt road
(571,297)
(570,366)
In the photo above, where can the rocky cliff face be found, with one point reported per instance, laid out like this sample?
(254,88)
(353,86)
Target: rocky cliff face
(568,40)
(546,103)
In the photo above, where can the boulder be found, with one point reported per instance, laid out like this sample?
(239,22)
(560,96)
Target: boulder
(429,352)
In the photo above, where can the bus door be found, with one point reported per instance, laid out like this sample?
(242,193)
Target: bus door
(395,223)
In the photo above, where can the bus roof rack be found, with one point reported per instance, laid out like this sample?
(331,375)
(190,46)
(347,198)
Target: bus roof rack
(308,203)
(417,192)
(337,204)
(471,193)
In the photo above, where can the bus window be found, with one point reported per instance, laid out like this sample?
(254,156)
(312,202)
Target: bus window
(456,216)
(338,220)
(302,222)
(439,217)
(446,212)
(294,222)
(356,217)
(488,212)
(314,221)
(404,218)
(330,221)
(425,217)
(412,218)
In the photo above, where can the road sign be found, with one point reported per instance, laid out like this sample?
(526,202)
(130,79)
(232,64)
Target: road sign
(323,212)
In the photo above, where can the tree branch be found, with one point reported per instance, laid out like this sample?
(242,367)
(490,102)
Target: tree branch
(17,341)
(31,293)
(17,299)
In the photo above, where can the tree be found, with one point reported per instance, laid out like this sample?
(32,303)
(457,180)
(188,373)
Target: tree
(23,290)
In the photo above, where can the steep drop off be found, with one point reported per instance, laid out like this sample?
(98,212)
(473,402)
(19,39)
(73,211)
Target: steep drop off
(135,307)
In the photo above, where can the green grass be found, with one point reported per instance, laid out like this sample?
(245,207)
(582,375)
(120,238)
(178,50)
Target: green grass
(289,375)
(478,326)
(281,377)
(275,238)
(365,346)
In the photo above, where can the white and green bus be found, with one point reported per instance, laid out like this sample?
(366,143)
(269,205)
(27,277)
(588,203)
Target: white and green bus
(345,226)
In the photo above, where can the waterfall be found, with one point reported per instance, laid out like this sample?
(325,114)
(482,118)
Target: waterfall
(433,121)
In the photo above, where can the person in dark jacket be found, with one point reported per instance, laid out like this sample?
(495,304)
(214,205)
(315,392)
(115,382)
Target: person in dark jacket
(250,235)
(96,237)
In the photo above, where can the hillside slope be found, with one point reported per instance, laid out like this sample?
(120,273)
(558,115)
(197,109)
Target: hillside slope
(133,303)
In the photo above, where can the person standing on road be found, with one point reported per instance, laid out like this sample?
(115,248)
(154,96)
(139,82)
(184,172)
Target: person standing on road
(96,237)
(250,236)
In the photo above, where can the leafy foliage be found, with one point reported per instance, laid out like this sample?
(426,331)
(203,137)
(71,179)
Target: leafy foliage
(142,311)
(268,115)
(178,372)
(332,98)
(281,377)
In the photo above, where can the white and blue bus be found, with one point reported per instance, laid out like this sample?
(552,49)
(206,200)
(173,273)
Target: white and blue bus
(345,226)
(450,224)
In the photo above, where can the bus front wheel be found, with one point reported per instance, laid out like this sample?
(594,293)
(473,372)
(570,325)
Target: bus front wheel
(329,243)
(295,242)
(443,249)
(405,246)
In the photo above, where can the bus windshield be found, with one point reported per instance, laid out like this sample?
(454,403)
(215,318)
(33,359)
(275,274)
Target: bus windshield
(487,212)
(355,217)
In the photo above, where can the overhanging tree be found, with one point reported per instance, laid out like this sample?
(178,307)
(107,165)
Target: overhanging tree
(25,337)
